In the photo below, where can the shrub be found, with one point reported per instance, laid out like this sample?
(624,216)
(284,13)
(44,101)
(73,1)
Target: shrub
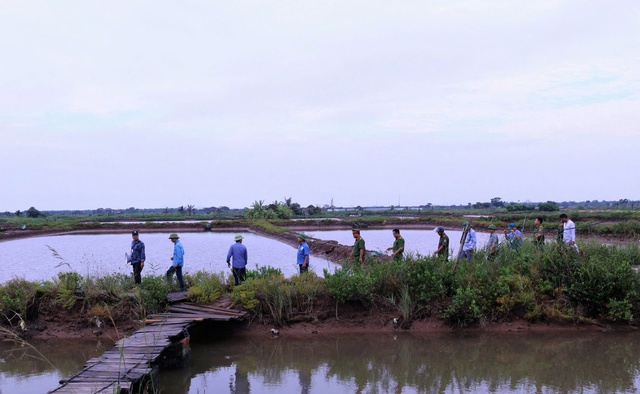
(205,287)
(598,282)
(429,279)
(350,283)
(153,291)
(67,284)
(464,309)
(16,296)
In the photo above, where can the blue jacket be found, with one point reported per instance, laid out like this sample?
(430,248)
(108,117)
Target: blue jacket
(178,254)
(137,252)
(470,240)
(238,252)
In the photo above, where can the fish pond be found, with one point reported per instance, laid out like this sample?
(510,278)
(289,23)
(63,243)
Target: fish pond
(399,362)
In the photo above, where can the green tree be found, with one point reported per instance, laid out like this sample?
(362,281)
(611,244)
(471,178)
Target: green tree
(34,213)
(548,206)
(297,209)
(497,202)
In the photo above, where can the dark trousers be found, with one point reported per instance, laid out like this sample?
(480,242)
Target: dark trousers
(137,269)
(467,255)
(178,271)
(239,274)
(303,268)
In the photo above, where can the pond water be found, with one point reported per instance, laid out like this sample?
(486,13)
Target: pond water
(97,254)
(37,366)
(407,363)
(423,242)
(399,362)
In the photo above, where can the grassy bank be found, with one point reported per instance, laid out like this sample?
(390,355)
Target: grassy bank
(598,285)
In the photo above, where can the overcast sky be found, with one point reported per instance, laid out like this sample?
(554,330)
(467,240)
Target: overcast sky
(159,104)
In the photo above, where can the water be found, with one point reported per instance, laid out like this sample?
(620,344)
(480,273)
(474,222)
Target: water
(406,363)
(100,254)
(423,242)
(39,366)
(396,362)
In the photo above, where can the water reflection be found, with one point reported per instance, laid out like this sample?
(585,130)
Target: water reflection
(100,254)
(460,363)
(37,367)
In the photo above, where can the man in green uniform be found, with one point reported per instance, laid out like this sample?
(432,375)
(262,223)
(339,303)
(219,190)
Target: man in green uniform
(538,235)
(443,244)
(398,245)
(358,247)
(493,243)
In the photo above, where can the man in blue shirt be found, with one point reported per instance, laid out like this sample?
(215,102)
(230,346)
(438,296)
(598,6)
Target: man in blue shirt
(303,253)
(469,242)
(137,256)
(177,260)
(514,237)
(238,253)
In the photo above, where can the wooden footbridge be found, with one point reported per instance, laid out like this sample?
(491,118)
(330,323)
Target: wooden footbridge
(132,365)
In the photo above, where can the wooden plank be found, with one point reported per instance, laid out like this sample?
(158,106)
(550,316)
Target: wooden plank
(133,357)
(206,308)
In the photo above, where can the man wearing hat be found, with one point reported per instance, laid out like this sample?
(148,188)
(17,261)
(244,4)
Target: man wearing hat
(469,242)
(514,236)
(137,256)
(492,244)
(443,244)
(177,260)
(303,253)
(238,253)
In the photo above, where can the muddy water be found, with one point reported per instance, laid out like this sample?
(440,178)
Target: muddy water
(383,363)
(406,363)
(98,254)
(37,367)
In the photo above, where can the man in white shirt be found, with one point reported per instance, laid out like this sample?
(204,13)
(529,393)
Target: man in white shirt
(569,232)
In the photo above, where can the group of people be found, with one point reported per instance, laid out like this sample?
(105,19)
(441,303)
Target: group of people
(138,256)
(237,258)
(513,238)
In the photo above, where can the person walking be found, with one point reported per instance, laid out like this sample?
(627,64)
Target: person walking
(303,253)
(398,246)
(137,256)
(358,247)
(237,259)
(492,243)
(469,242)
(513,236)
(538,235)
(569,232)
(177,260)
(443,244)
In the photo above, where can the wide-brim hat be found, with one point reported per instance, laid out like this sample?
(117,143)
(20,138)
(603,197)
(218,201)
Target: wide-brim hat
(173,236)
(239,238)
(302,236)
(512,225)
(492,227)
